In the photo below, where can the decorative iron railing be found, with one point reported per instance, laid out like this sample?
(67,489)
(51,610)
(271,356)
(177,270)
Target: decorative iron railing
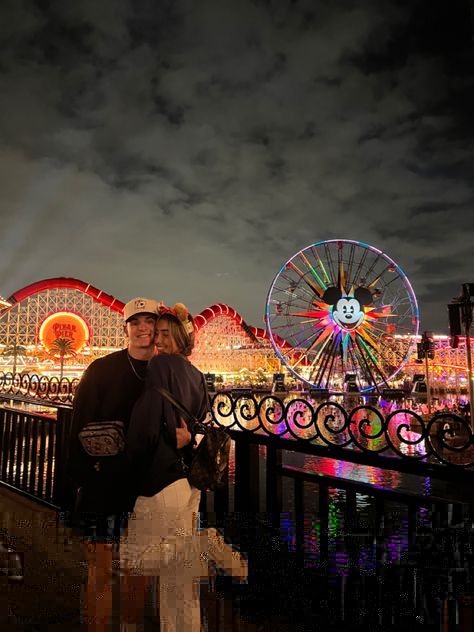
(301,498)
(445,437)
(33,450)
(51,390)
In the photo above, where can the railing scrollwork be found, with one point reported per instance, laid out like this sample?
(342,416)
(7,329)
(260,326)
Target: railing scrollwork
(51,390)
(445,437)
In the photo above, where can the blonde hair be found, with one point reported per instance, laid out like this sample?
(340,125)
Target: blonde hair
(182,335)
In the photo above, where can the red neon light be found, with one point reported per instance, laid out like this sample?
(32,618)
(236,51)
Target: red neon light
(116,305)
(73,284)
(201,319)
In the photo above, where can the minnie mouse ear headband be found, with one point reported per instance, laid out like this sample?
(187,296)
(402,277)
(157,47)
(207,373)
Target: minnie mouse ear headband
(180,312)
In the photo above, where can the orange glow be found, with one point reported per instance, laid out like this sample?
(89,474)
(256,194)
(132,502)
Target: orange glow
(64,325)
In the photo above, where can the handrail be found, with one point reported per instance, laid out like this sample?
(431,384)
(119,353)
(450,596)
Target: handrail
(39,387)
(444,438)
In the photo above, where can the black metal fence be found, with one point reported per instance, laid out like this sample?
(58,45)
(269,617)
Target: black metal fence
(273,439)
(444,437)
(51,390)
(360,433)
(33,444)
(33,449)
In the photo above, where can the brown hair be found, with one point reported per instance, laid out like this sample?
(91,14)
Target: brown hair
(184,340)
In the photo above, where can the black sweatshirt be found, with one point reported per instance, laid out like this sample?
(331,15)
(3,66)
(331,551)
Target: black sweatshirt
(107,392)
(151,438)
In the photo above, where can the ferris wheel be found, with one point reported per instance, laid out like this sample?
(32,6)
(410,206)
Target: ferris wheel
(339,312)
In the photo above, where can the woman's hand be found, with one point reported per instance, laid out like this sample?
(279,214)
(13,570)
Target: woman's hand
(183,436)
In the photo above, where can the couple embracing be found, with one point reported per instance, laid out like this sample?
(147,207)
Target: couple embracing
(140,502)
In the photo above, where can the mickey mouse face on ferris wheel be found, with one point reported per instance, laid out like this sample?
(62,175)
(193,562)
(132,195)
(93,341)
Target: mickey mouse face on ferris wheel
(348,311)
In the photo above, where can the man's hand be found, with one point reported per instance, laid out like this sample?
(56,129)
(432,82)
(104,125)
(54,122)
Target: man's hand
(183,436)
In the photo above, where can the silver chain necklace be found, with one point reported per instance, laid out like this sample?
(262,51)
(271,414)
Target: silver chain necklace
(134,369)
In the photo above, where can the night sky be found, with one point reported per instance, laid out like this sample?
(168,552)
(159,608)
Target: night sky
(185,150)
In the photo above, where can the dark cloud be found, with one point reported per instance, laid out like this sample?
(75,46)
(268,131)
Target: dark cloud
(188,149)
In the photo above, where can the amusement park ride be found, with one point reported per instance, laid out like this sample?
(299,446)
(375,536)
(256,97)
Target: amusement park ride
(342,315)
(341,318)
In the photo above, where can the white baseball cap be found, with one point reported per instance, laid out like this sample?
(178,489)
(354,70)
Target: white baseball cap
(140,305)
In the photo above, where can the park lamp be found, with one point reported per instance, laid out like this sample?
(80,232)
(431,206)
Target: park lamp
(426,348)
(350,380)
(460,321)
(425,351)
(460,314)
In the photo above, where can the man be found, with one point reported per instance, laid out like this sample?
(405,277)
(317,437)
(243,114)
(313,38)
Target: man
(108,391)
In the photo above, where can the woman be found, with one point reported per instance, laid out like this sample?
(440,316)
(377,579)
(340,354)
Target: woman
(160,539)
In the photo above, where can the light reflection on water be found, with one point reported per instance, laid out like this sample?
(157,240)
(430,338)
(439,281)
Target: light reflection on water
(357,543)
(21,464)
(347,545)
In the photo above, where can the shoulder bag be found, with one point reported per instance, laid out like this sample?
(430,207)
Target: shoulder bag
(210,459)
(103,438)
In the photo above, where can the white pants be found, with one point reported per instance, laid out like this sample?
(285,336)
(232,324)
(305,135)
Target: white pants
(160,541)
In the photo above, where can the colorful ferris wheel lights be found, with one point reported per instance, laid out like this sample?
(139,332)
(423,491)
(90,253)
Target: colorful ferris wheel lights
(347,302)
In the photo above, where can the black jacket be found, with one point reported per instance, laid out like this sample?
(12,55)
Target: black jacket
(107,391)
(151,439)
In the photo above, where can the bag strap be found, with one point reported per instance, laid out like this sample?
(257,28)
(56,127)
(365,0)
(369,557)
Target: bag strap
(197,425)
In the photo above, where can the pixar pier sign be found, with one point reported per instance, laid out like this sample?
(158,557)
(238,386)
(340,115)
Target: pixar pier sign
(64,325)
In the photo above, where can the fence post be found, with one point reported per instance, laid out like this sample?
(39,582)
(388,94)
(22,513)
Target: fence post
(61,491)
(247,483)
(273,482)
(324,525)
(221,500)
